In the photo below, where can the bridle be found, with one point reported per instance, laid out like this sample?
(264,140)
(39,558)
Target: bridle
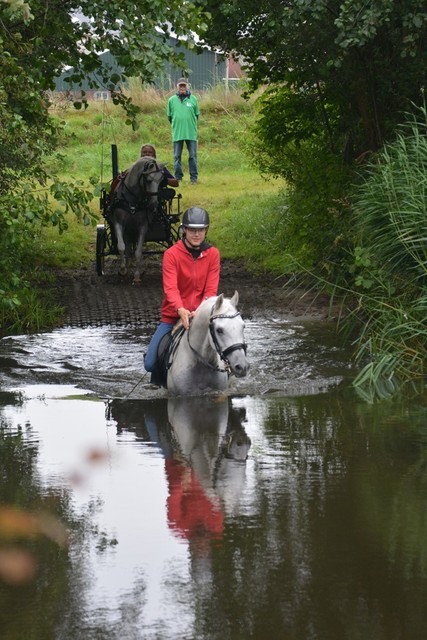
(146,194)
(223,353)
(234,347)
(144,177)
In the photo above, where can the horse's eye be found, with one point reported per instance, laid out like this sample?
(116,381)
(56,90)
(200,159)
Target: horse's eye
(219,330)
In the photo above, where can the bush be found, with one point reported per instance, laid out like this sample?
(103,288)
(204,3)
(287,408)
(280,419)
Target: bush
(288,140)
(317,216)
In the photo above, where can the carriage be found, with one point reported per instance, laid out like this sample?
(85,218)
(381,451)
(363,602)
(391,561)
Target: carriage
(163,224)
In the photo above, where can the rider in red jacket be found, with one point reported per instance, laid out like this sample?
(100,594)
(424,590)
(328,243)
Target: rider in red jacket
(189,276)
(191,269)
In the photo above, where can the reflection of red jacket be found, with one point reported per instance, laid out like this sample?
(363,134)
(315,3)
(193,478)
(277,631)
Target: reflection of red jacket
(191,513)
(188,281)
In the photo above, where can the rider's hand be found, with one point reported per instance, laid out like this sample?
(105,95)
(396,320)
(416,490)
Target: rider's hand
(185,316)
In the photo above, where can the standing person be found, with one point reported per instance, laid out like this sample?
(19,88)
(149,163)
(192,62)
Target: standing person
(183,112)
(190,273)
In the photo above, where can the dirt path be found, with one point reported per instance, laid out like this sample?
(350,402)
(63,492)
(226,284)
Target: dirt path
(92,300)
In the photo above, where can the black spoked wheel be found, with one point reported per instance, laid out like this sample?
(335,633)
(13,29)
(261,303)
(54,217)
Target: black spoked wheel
(101,242)
(175,231)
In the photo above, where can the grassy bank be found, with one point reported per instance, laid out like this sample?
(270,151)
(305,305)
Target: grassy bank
(241,203)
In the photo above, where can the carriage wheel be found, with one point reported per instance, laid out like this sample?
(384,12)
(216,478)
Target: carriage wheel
(101,241)
(175,234)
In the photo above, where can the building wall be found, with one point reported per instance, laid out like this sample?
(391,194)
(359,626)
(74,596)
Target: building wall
(207,70)
(61,85)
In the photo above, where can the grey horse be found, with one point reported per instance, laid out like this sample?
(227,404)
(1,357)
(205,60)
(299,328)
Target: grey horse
(134,207)
(211,350)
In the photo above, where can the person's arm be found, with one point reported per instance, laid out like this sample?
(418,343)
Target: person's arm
(171,290)
(169,111)
(196,108)
(170,281)
(172,181)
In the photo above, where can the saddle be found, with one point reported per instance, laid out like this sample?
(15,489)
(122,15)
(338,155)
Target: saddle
(165,352)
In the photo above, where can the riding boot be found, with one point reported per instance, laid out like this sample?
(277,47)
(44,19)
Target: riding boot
(155,379)
(159,376)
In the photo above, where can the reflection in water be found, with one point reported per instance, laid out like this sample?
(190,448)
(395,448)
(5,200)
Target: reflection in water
(315,532)
(205,447)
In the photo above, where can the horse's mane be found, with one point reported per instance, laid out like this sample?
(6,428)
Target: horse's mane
(223,305)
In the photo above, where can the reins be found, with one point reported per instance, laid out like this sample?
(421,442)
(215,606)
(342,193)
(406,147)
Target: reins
(205,361)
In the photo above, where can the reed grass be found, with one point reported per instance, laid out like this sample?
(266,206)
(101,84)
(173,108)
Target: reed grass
(391,221)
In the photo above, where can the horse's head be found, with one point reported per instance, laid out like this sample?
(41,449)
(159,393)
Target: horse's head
(236,444)
(150,177)
(226,328)
(142,182)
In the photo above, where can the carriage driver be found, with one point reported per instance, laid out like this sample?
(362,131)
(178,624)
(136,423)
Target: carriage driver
(190,273)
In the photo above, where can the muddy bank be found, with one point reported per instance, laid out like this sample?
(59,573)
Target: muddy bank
(92,300)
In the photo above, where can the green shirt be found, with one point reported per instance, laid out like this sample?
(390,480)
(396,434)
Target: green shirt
(183,115)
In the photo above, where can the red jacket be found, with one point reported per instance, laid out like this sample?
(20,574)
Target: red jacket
(188,281)
(191,513)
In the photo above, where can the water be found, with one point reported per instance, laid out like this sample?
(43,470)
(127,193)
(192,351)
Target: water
(285,357)
(316,529)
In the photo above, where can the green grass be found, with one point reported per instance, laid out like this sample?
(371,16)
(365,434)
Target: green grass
(240,201)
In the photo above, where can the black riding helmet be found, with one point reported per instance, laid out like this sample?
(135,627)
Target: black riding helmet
(195,218)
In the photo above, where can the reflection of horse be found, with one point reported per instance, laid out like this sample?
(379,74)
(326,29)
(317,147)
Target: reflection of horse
(203,448)
(210,350)
(133,208)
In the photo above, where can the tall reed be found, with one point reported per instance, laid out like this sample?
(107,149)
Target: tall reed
(390,210)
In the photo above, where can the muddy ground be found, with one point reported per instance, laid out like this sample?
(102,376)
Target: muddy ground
(92,300)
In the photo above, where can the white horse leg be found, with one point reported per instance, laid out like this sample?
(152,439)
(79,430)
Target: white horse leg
(121,248)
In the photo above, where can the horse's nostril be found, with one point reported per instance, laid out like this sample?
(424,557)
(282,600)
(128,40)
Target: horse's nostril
(240,371)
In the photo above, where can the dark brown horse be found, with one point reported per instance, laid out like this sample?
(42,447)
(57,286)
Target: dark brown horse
(134,206)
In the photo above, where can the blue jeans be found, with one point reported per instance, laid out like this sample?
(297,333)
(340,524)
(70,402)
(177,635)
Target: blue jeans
(192,159)
(150,357)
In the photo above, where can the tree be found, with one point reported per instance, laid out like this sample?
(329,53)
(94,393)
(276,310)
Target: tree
(338,76)
(341,76)
(38,39)
(367,59)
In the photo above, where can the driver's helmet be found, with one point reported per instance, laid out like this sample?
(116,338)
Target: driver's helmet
(195,218)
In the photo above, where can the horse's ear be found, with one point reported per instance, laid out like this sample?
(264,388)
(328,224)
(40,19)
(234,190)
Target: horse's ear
(218,302)
(235,299)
